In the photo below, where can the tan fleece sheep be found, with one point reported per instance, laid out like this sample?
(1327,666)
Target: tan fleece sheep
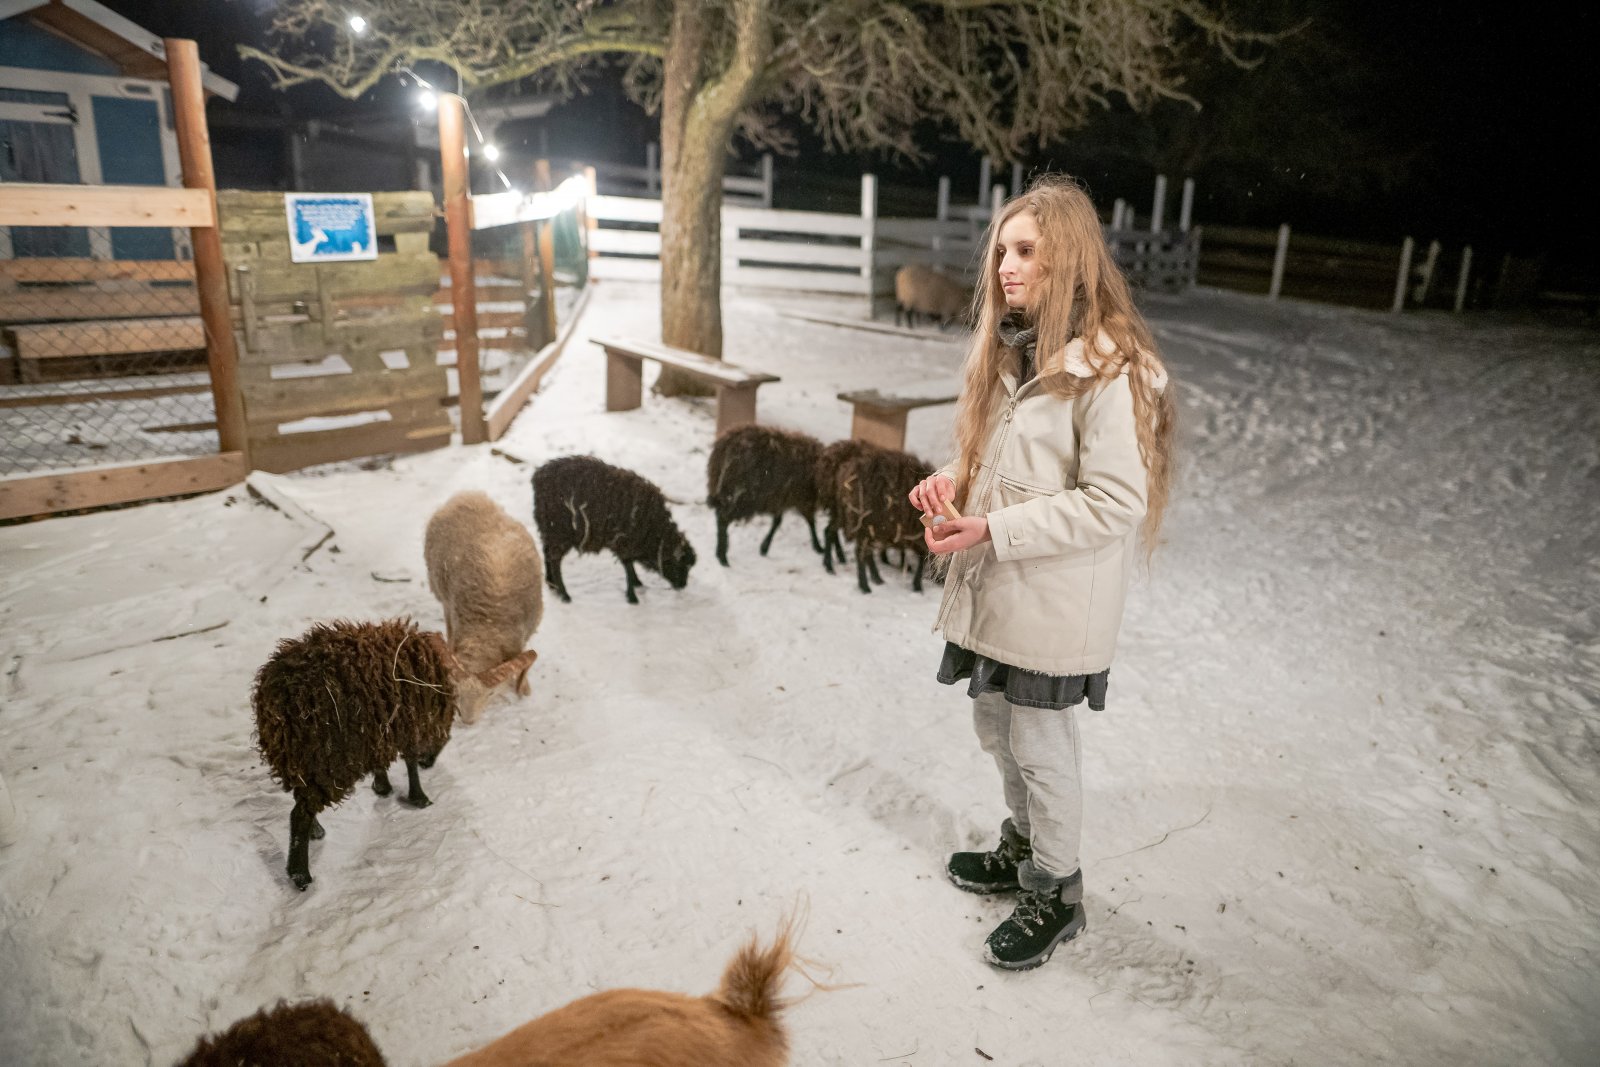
(919,289)
(486,570)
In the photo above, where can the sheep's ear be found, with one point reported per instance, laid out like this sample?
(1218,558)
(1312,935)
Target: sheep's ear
(497,675)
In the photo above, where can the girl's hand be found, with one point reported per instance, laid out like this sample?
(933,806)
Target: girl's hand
(956,534)
(932,492)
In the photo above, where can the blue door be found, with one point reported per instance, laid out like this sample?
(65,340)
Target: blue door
(128,133)
(40,152)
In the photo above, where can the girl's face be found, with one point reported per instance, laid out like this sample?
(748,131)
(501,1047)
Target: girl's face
(1018,249)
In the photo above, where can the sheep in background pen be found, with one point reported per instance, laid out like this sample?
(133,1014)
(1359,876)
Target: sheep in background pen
(314,1033)
(347,699)
(919,289)
(486,571)
(871,489)
(759,470)
(585,504)
(737,1026)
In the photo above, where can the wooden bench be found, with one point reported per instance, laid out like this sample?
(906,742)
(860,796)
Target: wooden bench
(879,417)
(736,387)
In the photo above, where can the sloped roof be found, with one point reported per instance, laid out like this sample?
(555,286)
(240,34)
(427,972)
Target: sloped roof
(136,51)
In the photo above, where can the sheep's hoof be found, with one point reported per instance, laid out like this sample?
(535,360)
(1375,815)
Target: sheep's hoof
(301,879)
(380,784)
(632,599)
(722,558)
(564,596)
(418,800)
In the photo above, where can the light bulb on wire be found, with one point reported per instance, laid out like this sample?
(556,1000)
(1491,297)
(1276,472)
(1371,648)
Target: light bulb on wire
(358,25)
(427,99)
(491,152)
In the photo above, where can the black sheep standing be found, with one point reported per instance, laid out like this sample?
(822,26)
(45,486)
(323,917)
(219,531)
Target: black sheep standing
(874,512)
(825,475)
(760,470)
(585,504)
(340,703)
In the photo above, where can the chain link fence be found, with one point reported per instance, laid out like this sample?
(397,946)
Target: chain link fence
(101,360)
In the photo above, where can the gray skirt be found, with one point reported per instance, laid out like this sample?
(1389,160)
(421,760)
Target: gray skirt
(1029,689)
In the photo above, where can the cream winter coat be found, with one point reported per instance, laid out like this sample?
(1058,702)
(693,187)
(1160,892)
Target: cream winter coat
(1063,487)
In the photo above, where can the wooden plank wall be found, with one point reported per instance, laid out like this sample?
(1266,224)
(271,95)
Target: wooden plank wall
(378,318)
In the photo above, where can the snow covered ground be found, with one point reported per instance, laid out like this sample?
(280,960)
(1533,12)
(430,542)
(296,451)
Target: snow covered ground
(1340,809)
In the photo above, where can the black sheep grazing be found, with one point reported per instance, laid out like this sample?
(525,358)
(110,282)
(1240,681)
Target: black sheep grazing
(347,699)
(759,470)
(874,512)
(826,478)
(314,1033)
(585,504)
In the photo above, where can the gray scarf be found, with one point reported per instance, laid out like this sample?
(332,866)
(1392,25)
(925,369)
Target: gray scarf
(1019,335)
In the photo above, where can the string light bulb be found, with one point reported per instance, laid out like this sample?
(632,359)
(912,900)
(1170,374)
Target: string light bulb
(427,99)
(358,25)
(491,152)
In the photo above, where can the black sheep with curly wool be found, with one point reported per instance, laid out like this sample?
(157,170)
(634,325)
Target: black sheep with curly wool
(584,504)
(760,470)
(346,700)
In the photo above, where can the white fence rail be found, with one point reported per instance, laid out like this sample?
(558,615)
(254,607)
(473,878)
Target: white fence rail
(813,251)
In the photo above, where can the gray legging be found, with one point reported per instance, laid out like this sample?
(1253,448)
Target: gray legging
(1041,768)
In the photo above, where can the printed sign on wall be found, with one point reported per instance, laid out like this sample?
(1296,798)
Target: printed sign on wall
(330,227)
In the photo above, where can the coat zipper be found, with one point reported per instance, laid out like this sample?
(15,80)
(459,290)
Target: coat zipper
(959,573)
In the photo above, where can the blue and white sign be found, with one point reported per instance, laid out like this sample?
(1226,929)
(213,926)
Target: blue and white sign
(331,227)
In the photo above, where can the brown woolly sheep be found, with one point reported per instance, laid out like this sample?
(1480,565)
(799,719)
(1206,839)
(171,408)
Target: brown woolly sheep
(759,470)
(826,477)
(920,289)
(583,503)
(344,701)
(871,488)
(737,1026)
(313,1033)
(486,571)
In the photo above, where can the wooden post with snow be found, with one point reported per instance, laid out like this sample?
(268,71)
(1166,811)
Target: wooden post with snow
(869,240)
(1461,280)
(1186,208)
(1158,207)
(1279,260)
(463,283)
(1404,276)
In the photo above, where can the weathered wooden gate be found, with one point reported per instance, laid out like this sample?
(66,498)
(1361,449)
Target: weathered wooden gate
(336,360)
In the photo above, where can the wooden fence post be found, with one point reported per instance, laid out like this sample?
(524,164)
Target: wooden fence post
(1016,178)
(983,177)
(1279,260)
(210,273)
(463,280)
(1186,209)
(1158,208)
(1404,276)
(1428,264)
(766,180)
(1461,280)
(869,239)
(652,166)
(1117,210)
(546,255)
(943,212)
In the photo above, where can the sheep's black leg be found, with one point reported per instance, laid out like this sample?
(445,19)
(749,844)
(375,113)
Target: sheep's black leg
(552,576)
(766,542)
(416,797)
(862,558)
(830,538)
(722,539)
(838,544)
(811,524)
(301,819)
(916,579)
(872,565)
(883,555)
(380,783)
(633,580)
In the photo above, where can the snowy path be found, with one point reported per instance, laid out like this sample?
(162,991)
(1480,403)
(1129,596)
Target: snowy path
(1340,808)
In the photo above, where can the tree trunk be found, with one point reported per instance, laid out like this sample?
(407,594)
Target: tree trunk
(699,107)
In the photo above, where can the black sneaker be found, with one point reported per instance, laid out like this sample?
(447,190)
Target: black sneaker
(1041,921)
(994,871)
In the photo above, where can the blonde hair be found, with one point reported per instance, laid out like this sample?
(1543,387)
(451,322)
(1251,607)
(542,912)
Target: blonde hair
(1079,285)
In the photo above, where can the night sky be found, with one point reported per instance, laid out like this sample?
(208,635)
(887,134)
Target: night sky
(1505,96)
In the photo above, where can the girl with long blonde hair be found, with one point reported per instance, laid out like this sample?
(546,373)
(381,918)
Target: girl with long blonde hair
(1063,463)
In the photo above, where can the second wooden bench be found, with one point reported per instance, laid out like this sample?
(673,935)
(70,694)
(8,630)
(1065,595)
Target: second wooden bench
(879,417)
